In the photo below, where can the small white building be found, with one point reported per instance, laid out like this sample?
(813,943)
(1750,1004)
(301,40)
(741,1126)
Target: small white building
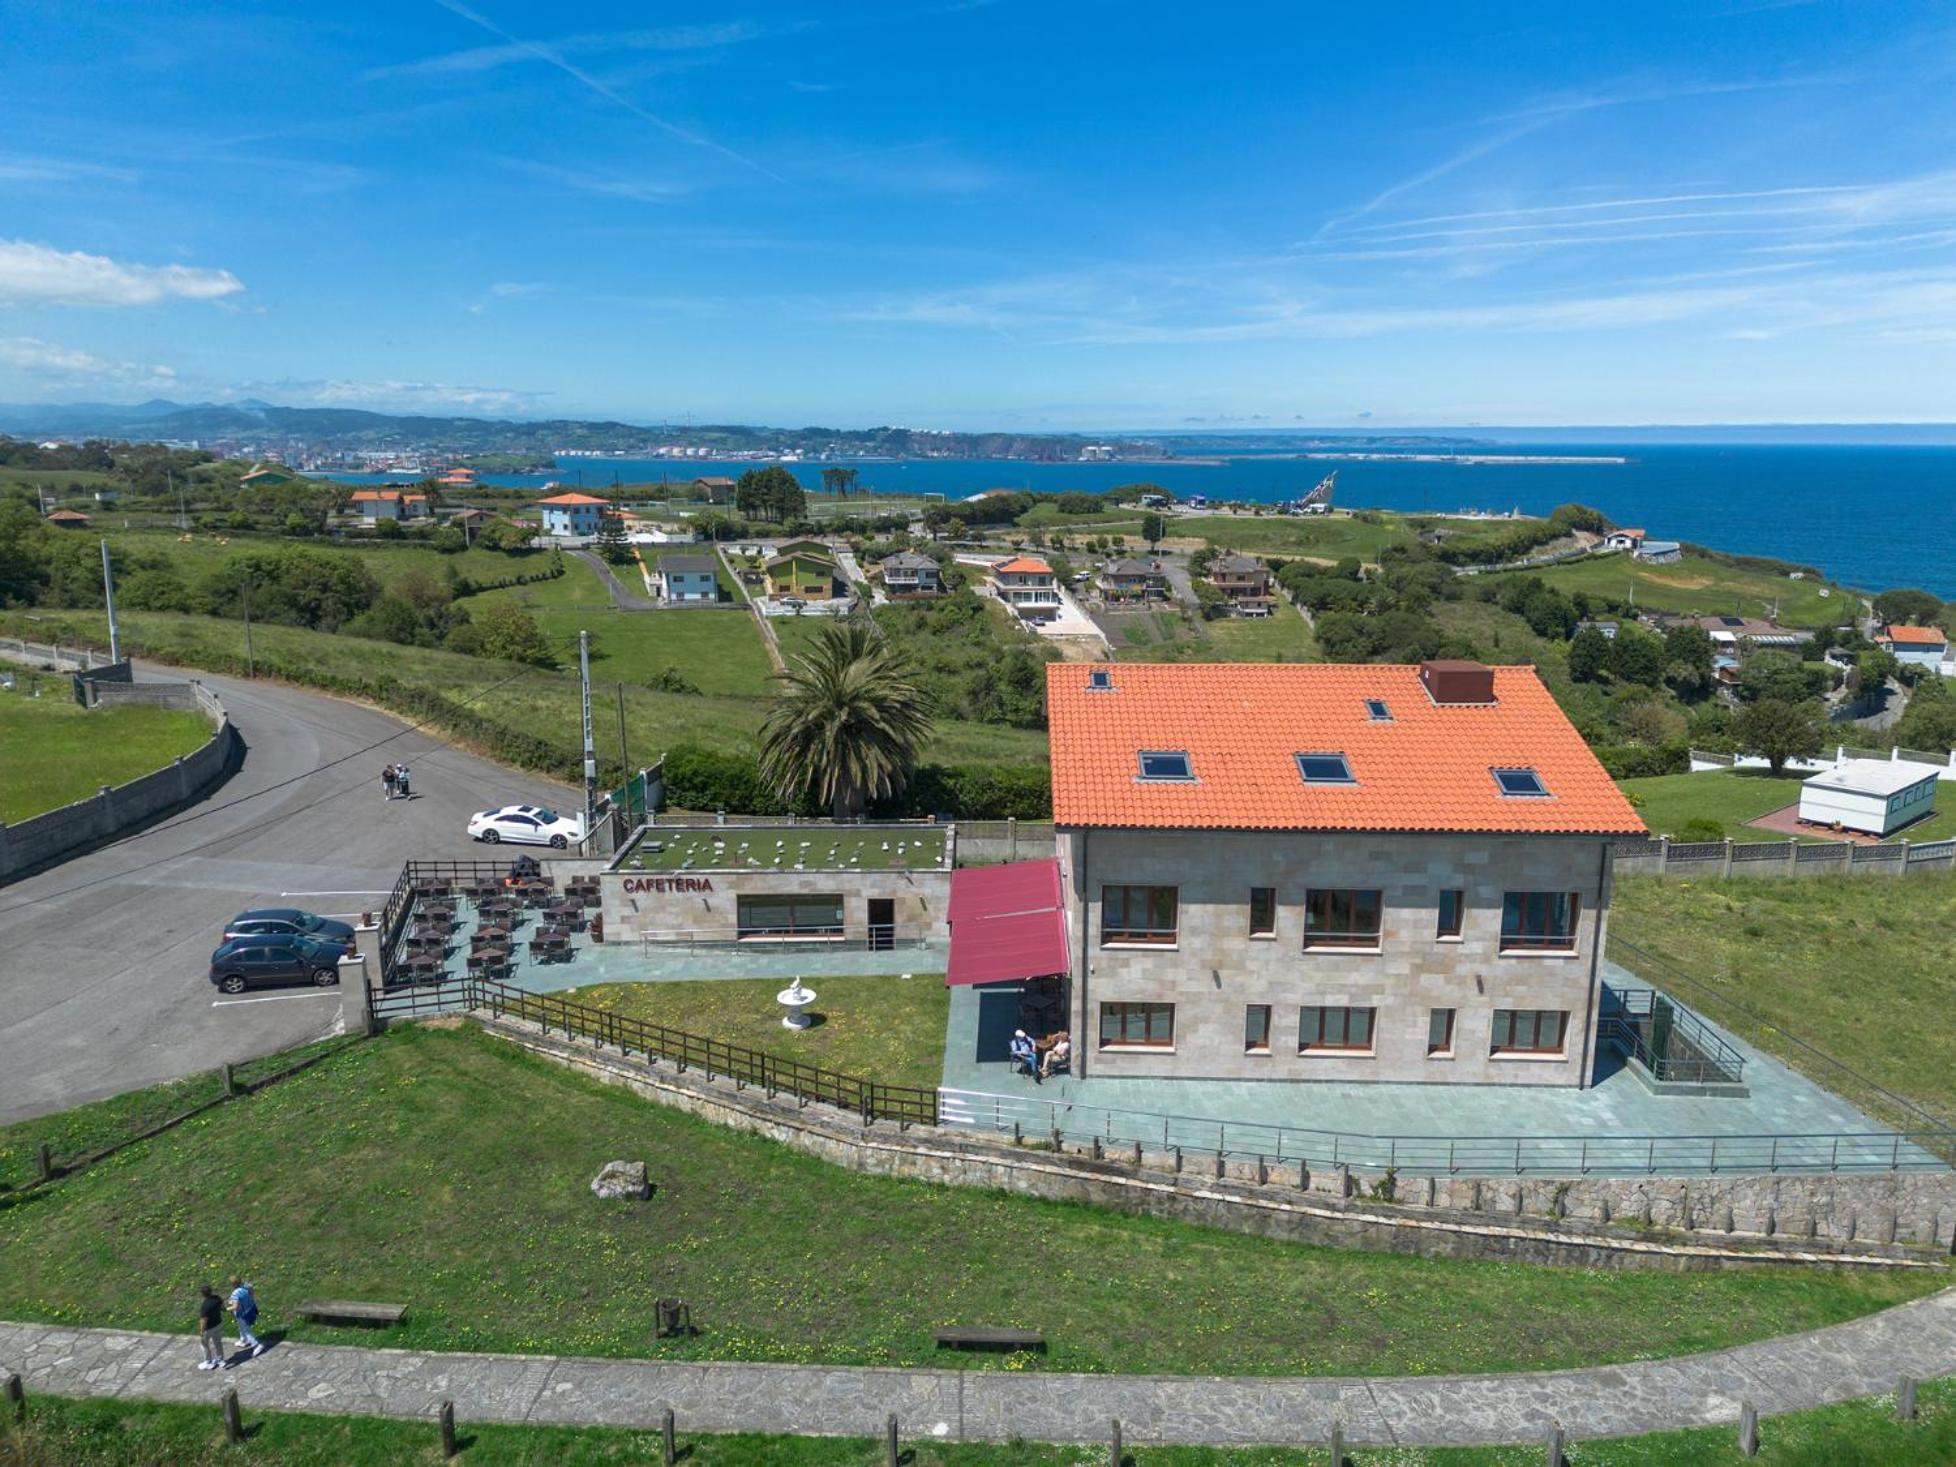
(692,578)
(1926,647)
(1623,540)
(1874,796)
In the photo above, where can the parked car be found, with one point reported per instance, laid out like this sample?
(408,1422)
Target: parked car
(530,825)
(287,922)
(250,962)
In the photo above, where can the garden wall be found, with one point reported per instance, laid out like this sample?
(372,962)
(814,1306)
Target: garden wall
(1697,1223)
(61,833)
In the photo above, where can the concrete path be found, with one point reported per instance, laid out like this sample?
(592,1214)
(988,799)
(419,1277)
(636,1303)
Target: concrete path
(105,959)
(621,597)
(1862,1358)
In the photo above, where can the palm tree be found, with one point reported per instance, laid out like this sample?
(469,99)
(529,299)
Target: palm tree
(849,723)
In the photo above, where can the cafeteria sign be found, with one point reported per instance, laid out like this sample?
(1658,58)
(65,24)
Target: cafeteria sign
(666,884)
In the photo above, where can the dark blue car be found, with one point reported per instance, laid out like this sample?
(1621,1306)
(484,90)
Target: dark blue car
(286,922)
(251,962)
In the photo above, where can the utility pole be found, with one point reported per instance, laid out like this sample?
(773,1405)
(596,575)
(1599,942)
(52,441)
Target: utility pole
(108,597)
(590,747)
(624,756)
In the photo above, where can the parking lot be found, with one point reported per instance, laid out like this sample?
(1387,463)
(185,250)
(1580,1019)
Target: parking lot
(104,960)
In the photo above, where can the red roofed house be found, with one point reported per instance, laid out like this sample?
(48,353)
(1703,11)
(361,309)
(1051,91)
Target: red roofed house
(1323,872)
(68,519)
(572,514)
(1919,646)
(382,504)
(1028,586)
(1623,540)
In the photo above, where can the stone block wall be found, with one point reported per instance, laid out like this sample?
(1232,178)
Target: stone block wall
(1879,1220)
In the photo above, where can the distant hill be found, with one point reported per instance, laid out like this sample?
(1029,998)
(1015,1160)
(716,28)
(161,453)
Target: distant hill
(332,430)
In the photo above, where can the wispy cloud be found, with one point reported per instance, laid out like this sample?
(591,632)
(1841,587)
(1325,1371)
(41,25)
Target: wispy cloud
(587,180)
(19,168)
(475,60)
(66,365)
(394,395)
(508,290)
(37,274)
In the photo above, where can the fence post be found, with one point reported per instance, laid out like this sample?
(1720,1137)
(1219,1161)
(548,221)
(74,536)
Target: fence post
(233,1421)
(890,1454)
(448,1447)
(1792,853)
(1114,1454)
(1904,1399)
(1663,855)
(44,1162)
(667,1437)
(1337,1444)
(229,1080)
(17,1399)
(1748,1429)
(1555,1457)
(1725,860)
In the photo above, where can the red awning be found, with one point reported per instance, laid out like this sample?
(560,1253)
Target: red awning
(1007,923)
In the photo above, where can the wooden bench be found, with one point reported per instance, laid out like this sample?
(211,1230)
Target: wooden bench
(350,1310)
(987,1338)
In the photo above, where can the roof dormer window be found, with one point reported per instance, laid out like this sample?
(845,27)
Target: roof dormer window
(1324,769)
(1166,765)
(1100,680)
(1377,711)
(1521,784)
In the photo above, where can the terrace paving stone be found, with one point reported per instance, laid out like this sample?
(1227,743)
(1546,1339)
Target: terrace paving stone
(1796,1372)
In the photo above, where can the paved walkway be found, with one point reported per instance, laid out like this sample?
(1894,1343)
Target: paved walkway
(1861,1358)
(623,599)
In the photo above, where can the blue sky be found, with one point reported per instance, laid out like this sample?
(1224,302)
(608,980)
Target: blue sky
(994,213)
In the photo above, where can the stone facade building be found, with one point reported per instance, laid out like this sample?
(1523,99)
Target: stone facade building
(1312,872)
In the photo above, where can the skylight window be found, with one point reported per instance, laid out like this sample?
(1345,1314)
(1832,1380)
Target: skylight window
(1524,783)
(1165,765)
(1100,680)
(1324,769)
(1376,710)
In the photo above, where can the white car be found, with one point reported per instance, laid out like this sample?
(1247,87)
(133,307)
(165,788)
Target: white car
(527,825)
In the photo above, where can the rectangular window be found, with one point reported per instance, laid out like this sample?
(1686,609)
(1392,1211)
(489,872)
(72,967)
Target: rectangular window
(1263,911)
(1539,921)
(1528,1031)
(1141,1025)
(1335,917)
(1137,914)
(1334,1029)
(1521,783)
(788,916)
(1324,769)
(1256,1028)
(1377,711)
(1164,764)
(1439,1031)
(1453,906)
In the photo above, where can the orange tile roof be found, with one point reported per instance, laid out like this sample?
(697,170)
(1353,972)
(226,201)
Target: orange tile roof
(573,499)
(1428,769)
(361,496)
(1023,565)
(1638,533)
(1917,636)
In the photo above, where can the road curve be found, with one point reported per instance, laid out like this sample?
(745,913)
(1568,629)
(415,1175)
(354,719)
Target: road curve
(104,959)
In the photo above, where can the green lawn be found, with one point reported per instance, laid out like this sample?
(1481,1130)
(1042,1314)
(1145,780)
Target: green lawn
(1321,537)
(1703,587)
(540,702)
(119,1433)
(719,651)
(1283,636)
(887,1029)
(54,752)
(1733,797)
(203,551)
(870,848)
(450,1171)
(1858,966)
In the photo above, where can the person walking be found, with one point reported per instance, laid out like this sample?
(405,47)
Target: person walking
(401,781)
(210,1328)
(243,1305)
(387,783)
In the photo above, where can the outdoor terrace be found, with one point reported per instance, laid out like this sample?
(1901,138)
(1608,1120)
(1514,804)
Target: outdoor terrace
(896,847)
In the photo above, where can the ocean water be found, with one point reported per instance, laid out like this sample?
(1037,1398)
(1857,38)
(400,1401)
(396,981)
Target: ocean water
(1868,516)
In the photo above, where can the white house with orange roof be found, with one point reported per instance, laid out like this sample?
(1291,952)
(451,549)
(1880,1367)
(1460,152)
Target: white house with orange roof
(388,504)
(1330,872)
(572,514)
(1631,540)
(1027,585)
(1926,647)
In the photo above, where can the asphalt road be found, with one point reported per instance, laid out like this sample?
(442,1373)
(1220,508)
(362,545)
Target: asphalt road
(105,960)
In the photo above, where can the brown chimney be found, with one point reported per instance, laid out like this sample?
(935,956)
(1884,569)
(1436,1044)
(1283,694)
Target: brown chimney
(1455,682)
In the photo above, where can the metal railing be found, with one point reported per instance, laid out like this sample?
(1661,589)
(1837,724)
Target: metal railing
(880,939)
(1673,1044)
(869,1099)
(1553,1156)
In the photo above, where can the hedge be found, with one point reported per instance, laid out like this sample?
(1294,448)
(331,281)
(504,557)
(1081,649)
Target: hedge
(1640,761)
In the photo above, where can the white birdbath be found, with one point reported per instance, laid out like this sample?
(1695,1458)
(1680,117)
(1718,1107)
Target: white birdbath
(795,1000)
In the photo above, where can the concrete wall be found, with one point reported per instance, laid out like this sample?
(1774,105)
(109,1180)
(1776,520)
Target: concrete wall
(705,904)
(1215,968)
(61,833)
(1684,1224)
(1704,860)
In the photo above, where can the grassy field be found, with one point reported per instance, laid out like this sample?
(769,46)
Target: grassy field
(1283,636)
(540,702)
(56,480)
(1858,966)
(1733,797)
(54,752)
(113,1433)
(921,848)
(1322,537)
(453,1176)
(883,1028)
(201,552)
(1703,587)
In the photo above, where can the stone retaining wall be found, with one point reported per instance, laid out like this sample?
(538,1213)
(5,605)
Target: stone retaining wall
(1700,1223)
(61,833)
